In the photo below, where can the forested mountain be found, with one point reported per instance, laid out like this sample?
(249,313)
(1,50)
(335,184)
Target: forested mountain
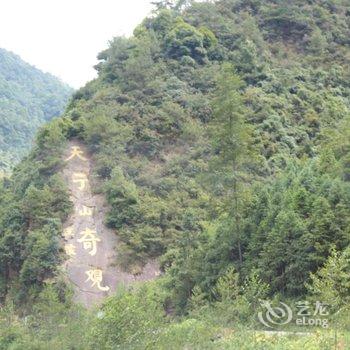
(220,138)
(28,98)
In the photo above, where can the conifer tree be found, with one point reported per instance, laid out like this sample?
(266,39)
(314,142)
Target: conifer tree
(232,144)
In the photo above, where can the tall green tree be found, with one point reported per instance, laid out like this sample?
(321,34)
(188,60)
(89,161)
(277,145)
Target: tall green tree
(232,145)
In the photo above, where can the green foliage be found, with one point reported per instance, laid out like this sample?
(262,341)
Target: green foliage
(37,203)
(331,283)
(227,287)
(128,320)
(51,323)
(228,113)
(29,98)
(230,130)
(40,256)
(293,225)
(220,138)
(185,40)
(289,22)
(133,320)
(123,198)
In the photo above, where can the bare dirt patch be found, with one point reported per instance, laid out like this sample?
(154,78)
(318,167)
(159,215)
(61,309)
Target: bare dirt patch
(91,246)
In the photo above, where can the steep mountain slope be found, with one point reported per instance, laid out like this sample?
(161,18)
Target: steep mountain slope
(220,137)
(28,98)
(158,120)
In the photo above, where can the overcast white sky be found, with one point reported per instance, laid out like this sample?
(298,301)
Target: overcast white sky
(63,37)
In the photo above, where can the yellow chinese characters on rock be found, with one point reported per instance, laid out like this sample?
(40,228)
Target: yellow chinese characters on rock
(80,179)
(85,211)
(89,240)
(70,250)
(68,233)
(76,152)
(96,276)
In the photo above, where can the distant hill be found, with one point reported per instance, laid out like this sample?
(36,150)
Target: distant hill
(28,98)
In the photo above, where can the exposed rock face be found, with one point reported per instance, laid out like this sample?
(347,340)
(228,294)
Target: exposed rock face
(89,244)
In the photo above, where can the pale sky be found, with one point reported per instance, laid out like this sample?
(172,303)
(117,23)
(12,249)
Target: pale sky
(63,37)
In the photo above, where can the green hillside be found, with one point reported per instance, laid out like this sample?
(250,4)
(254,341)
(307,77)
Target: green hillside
(220,138)
(28,98)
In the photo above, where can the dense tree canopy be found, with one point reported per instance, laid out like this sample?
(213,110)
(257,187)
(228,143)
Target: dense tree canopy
(28,98)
